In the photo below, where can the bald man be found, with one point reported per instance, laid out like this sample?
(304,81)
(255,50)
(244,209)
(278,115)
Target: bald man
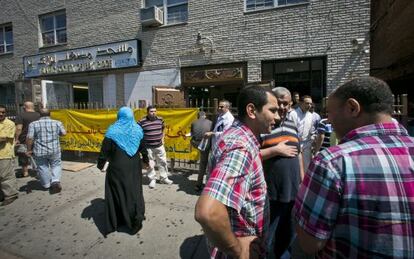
(22,124)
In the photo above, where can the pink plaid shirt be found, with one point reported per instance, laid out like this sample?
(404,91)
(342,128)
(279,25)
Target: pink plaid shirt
(237,181)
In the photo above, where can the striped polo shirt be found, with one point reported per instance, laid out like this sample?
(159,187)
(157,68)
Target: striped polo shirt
(153,131)
(282,174)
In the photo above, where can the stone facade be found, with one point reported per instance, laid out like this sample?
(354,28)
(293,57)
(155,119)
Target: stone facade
(228,35)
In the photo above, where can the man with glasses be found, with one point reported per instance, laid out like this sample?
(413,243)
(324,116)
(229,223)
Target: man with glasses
(7,177)
(224,121)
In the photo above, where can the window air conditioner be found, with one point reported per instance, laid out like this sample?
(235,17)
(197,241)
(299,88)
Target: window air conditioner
(152,16)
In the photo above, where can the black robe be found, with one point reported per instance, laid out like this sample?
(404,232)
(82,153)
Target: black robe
(124,200)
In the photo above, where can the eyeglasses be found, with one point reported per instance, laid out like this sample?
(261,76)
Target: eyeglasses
(2,112)
(221,106)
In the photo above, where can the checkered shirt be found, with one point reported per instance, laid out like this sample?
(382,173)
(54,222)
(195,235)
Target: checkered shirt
(45,134)
(359,195)
(237,181)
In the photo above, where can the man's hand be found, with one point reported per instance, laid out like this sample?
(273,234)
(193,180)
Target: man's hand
(250,247)
(29,153)
(285,150)
(208,134)
(145,165)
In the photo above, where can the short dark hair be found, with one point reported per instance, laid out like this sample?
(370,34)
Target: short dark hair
(373,94)
(303,97)
(151,107)
(44,112)
(201,114)
(253,94)
(2,106)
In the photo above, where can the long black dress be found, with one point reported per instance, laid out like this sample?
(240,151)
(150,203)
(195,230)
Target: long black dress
(124,200)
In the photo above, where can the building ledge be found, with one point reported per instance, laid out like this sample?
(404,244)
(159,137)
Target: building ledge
(6,54)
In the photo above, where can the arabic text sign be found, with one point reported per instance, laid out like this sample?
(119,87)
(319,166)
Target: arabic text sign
(108,56)
(86,129)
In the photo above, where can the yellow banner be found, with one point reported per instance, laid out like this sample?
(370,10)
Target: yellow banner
(86,129)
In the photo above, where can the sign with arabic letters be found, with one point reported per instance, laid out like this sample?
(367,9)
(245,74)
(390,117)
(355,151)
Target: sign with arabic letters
(100,57)
(86,129)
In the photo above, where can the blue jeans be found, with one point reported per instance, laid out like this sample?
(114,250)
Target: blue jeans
(43,163)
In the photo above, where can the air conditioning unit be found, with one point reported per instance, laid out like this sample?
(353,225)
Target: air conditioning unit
(152,16)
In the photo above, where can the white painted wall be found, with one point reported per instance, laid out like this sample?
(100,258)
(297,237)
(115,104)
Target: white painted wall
(138,86)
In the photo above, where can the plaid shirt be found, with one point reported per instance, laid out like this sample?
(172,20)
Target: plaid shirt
(238,182)
(45,133)
(359,196)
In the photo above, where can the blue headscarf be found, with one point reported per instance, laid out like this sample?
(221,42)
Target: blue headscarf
(126,133)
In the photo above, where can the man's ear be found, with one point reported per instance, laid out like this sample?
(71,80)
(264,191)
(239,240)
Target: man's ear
(251,111)
(353,107)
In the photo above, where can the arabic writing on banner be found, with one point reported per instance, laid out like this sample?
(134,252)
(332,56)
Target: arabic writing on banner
(86,129)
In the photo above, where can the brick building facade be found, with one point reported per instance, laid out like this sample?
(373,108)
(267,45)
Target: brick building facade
(210,49)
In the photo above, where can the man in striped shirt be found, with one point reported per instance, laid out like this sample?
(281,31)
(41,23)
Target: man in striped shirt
(357,198)
(233,206)
(153,127)
(283,169)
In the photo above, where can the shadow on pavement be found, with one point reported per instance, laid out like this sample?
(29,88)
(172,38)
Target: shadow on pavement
(32,185)
(194,248)
(184,183)
(96,211)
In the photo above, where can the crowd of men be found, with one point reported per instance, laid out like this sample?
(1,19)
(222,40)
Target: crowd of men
(34,137)
(278,184)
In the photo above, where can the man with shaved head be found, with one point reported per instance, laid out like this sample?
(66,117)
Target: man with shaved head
(43,142)
(22,124)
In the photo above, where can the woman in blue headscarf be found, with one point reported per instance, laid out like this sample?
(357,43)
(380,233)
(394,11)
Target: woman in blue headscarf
(121,147)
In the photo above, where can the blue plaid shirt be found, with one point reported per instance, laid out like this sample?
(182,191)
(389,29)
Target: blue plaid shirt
(45,134)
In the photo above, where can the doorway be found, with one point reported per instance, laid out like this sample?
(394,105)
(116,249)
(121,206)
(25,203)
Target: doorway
(80,94)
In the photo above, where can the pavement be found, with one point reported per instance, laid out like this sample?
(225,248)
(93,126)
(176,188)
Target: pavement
(69,224)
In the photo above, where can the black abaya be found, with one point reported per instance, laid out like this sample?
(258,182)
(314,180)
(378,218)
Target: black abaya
(124,200)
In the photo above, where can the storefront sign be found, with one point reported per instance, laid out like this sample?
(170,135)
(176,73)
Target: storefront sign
(213,75)
(108,56)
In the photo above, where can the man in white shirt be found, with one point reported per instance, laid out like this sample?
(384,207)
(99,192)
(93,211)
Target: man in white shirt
(303,119)
(224,121)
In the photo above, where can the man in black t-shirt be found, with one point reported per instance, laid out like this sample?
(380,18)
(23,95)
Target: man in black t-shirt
(22,124)
(283,168)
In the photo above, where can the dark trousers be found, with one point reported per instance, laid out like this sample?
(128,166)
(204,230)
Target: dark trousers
(280,214)
(203,166)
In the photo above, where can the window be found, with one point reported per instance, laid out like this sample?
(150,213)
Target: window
(6,39)
(176,10)
(53,28)
(305,76)
(254,5)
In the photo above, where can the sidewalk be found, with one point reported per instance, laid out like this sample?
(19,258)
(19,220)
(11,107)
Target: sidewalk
(68,224)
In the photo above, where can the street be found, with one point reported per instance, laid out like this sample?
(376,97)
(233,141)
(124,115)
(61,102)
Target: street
(69,224)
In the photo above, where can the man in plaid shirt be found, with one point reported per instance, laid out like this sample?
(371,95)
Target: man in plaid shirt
(43,141)
(233,206)
(357,198)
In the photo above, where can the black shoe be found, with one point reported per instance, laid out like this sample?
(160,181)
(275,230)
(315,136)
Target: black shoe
(55,188)
(9,200)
